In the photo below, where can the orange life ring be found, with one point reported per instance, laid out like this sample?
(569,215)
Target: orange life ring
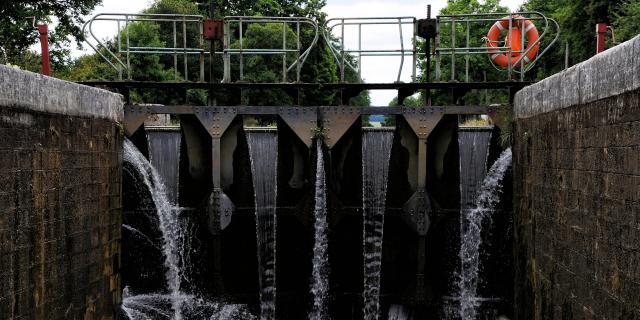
(513,40)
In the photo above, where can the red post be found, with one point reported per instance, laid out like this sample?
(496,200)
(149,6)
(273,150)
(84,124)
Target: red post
(43,29)
(601,34)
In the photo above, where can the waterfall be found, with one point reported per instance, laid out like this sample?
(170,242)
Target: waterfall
(263,151)
(320,286)
(474,147)
(168,222)
(158,306)
(471,236)
(175,304)
(376,151)
(164,155)
(399,312)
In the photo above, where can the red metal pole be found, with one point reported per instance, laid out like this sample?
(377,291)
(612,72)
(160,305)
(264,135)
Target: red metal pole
(601,34)
(43,29)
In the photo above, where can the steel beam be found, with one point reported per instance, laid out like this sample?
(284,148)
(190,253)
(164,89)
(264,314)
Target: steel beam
(134,117)
(422,121)
(336,121)
(302,120)
(216,120)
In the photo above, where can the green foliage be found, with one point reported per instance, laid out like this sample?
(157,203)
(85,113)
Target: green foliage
(29,60)
(319,67)
(480,67)
(89,67)
(578,19)
(298,8)
(626,23)
(17,33)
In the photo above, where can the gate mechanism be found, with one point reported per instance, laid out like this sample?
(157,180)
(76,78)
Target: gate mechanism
(299,35)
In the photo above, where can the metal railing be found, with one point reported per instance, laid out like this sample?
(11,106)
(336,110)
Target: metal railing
(120,60)
(287,22)
(487,20)
(341,53)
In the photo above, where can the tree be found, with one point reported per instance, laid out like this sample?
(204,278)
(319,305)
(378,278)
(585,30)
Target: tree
(320,66)
(17,33)
(578,19)
(625,22)
(480,67)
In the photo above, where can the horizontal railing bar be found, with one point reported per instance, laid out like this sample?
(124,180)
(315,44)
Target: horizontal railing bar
(276,110)
(486,20)
(371,18)
(148,20)
(379,50)
(245,50)
(171,49)
(370,23)
(491,14)
(325,86)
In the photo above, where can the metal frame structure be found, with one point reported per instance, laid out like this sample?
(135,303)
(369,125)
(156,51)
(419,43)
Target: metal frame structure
(340,52)
(125,20)
(467,20)
(241,51)
(306,121)
(336,44)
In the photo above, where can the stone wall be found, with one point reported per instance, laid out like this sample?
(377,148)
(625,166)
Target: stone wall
(577,191)
(60,199)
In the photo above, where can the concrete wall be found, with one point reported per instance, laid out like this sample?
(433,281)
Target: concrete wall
(60,198)
(577,191)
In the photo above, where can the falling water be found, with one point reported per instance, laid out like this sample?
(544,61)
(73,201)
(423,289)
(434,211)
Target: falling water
(263,148)
(175,304)
(399,312)
(159,306)
(376,150)
(164,155)
(471,236)
(168,223)
(474,147)
(320,286)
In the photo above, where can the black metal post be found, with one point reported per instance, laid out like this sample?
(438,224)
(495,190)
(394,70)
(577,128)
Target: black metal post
(427,51)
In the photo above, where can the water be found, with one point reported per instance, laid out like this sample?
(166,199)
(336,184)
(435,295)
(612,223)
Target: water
(320,286)
(164,155)
(474,148)
(159,306)
(263,150)
(168,222)
(175,304)
(399,312)
(140,235)
(471,236)
(376,150)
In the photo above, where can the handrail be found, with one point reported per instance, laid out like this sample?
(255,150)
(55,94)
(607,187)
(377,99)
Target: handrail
(118,64)
(241,20)
(489,17)
(339,53)
(120,59)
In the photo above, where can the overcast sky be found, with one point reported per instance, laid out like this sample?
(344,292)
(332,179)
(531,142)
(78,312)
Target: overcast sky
(374,69)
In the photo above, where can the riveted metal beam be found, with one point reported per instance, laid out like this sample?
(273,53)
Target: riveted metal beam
(336,121)
(423,120)
(134,117)
(302,120)
(216,121)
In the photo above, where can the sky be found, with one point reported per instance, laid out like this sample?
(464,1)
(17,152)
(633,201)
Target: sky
(374,69)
